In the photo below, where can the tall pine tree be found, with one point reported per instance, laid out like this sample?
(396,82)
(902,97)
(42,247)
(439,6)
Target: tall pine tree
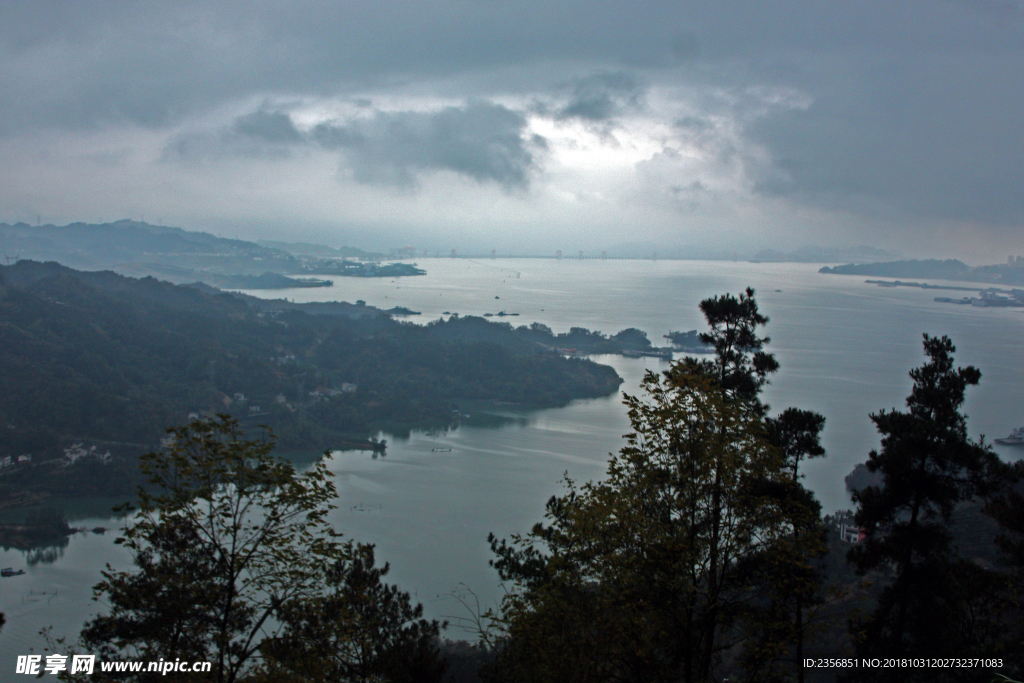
(660,571)
(929,466)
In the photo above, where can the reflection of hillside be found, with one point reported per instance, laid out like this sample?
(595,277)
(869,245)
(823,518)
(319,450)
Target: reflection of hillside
(46,554)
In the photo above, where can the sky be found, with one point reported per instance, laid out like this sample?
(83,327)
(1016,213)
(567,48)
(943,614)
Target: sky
(690,127)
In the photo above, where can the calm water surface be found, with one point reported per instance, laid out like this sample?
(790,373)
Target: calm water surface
(845,348)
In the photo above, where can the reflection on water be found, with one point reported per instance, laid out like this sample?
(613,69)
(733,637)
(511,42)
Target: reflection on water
(46,554)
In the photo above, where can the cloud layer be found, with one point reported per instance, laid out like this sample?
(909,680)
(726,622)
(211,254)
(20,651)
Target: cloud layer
(546,124)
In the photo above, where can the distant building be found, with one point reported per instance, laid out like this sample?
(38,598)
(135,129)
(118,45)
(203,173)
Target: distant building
(74,453)
(77,451)
(851,534)
(348,387)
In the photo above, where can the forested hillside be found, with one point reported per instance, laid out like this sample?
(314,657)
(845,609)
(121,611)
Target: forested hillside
(98,356)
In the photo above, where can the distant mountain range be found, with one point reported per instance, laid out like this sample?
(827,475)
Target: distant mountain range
(95,246)
(180,256)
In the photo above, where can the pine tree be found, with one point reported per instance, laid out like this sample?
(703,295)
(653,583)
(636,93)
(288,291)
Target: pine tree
(929,466)
(638,577)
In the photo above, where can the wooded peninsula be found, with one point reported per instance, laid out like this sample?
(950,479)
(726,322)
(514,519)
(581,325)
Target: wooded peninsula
(94,363)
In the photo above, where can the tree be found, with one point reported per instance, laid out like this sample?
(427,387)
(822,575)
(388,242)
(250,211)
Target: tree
(741,363)
(222,539)
(929,466)
(786,574)
(359,630)
(635,578)
(1007,508)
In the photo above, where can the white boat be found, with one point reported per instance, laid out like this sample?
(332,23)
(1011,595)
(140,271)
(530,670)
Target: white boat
(1016,438)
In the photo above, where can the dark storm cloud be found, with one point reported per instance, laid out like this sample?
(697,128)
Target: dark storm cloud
(915,106)
(934,135)
(274,127)
(482,141)
(260,134)
(80,65)
(602,96)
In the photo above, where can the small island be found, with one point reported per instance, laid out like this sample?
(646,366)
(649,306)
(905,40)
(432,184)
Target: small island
(347,268)
(688,342)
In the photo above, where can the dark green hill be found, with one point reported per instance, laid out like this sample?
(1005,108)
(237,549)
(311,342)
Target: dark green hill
(102,358)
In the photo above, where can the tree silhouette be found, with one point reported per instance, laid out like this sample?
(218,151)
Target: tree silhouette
(929,466)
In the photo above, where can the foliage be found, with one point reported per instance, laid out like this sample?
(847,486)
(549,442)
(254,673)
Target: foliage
(786,576)
(225,538)
(741,363)
(42,527)
(655,572)
(360,629)
(1007,508)
(937,603)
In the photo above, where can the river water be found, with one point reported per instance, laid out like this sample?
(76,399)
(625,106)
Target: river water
(845,348)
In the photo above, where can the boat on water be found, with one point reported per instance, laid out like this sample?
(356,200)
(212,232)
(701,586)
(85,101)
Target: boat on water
(1016,438)
(9,571)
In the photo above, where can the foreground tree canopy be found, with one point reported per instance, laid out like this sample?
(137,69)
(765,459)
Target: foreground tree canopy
(701,556)
(678,560)
(938,602)
(235,561)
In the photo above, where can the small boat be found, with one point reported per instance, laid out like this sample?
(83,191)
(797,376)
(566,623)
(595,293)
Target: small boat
(9,571)
(1016,438)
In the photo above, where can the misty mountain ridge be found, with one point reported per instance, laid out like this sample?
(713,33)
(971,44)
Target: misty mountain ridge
(139,249)
(124,243)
